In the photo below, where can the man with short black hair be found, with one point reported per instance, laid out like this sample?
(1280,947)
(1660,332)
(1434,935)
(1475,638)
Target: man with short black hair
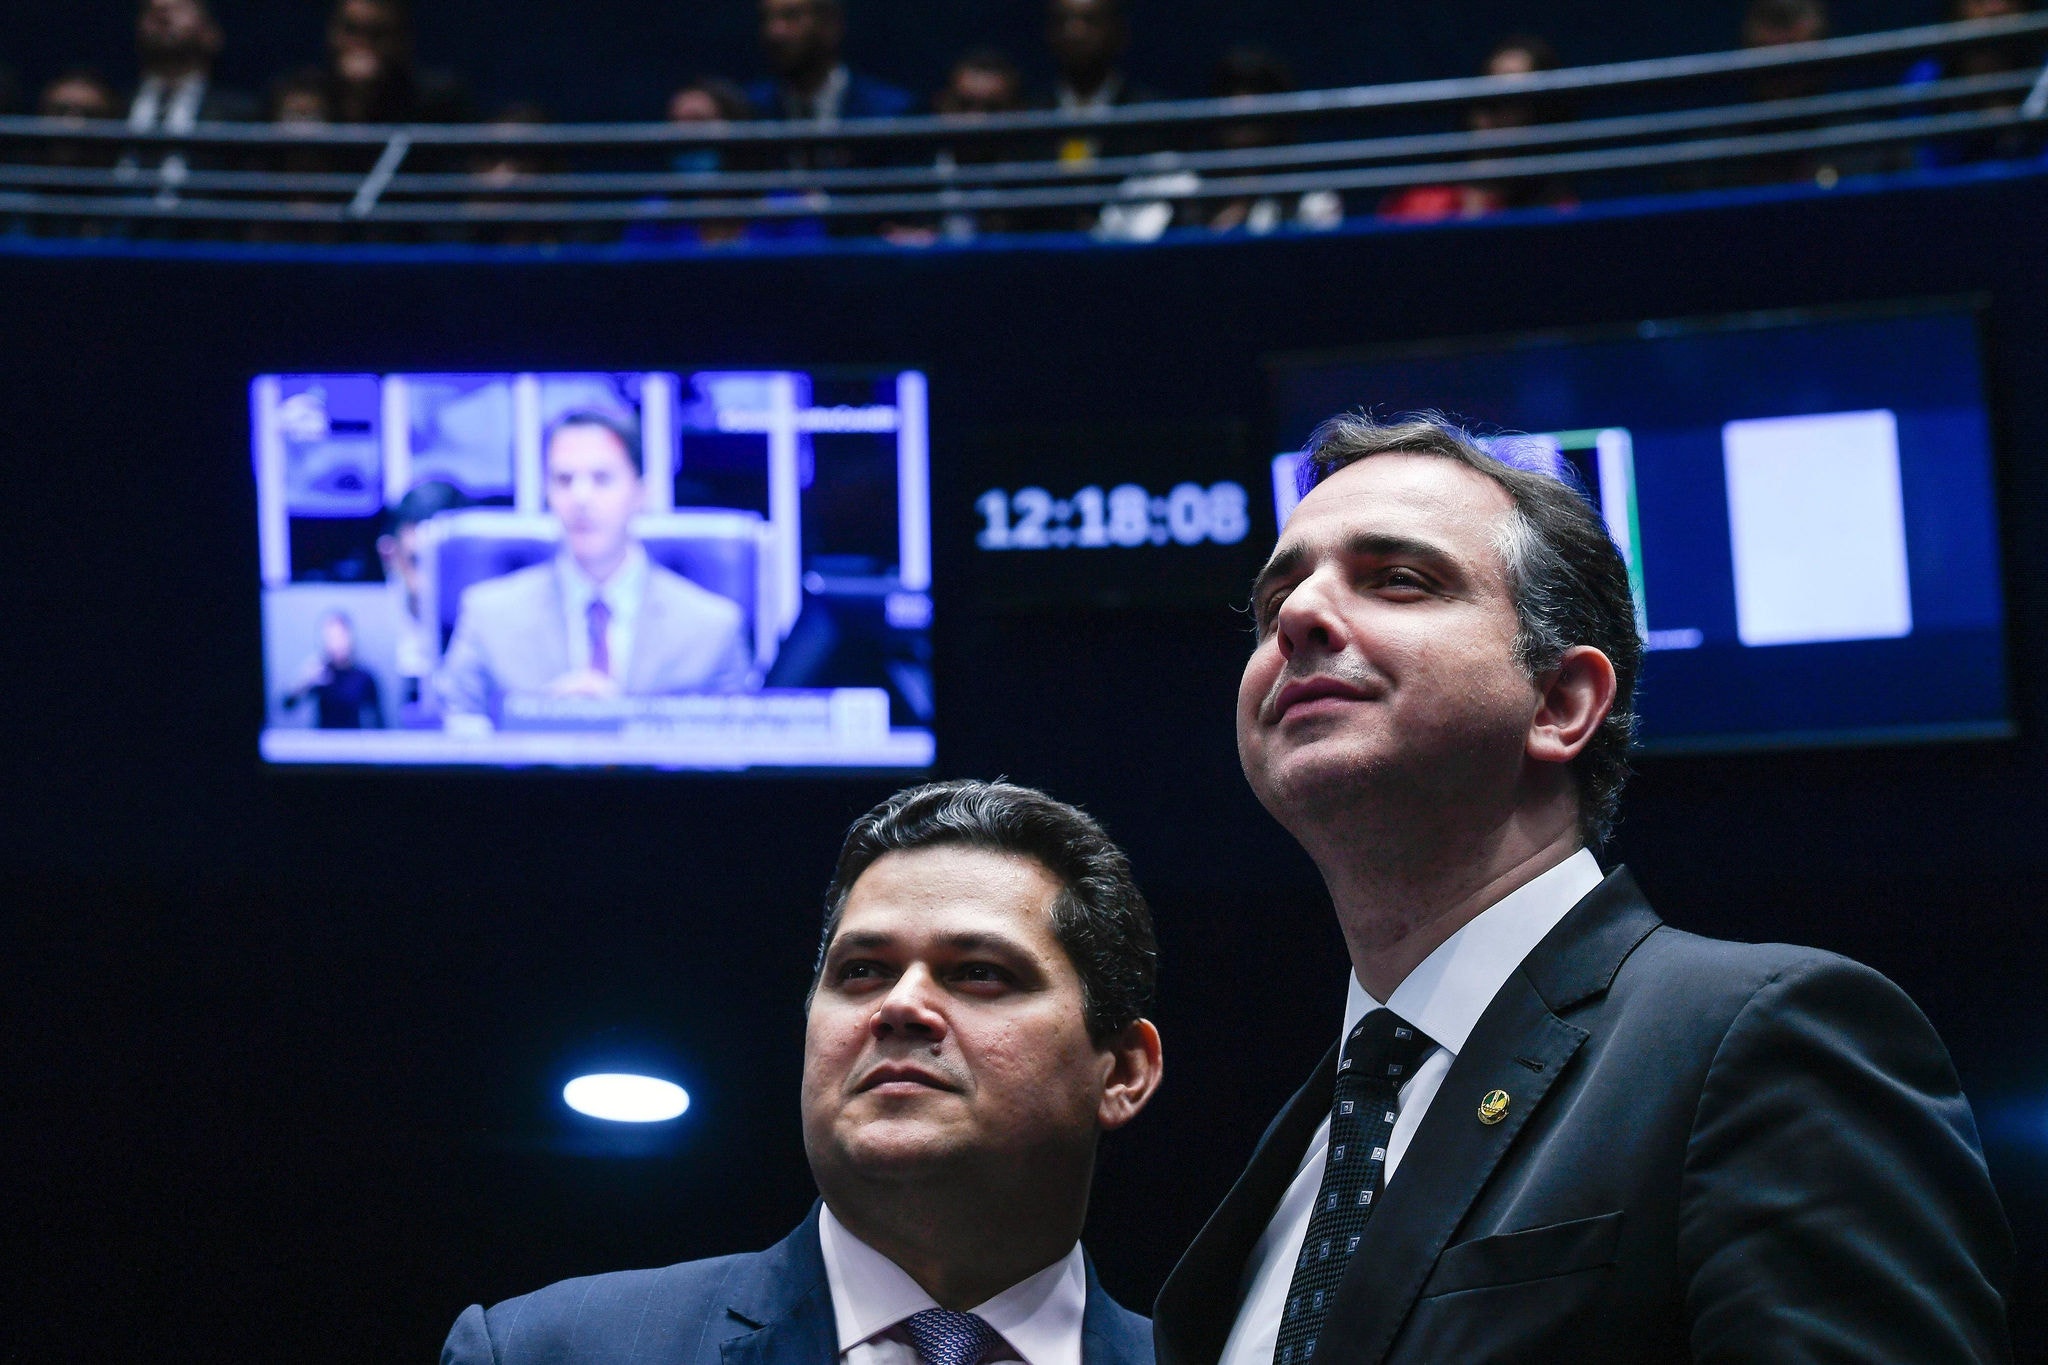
(398,549)
(344,693)
(600,619)
(975,1024)
(373,70)
(176,45)
(982,81)
(811,82)
(1614,1141)
(1088,39)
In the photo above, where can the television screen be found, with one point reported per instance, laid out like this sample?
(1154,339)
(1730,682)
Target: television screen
(1805,503)
(719,570)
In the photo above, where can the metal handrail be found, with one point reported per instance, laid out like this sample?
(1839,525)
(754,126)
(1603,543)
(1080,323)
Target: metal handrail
(1114,169)
(1701,151)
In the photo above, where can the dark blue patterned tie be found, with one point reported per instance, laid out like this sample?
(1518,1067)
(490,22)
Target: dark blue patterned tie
(1379,1056)
(943,1337)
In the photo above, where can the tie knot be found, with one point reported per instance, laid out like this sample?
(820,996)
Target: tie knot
(600,614)
(1383,1047)
(943,1337)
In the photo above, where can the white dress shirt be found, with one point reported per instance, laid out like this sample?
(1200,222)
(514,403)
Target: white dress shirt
(621,593)
(1039,1319)
(1443,997)
(173,108)
(160,104)
(1072,102)
(823,104)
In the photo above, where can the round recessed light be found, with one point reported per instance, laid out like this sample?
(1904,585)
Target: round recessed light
(625,1098)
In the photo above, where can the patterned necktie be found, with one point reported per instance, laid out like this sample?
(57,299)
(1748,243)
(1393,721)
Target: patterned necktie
(1379,1056)
(600,636)
(943,1337)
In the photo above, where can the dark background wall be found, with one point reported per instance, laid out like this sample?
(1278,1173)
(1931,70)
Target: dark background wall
(619,59)
(281,1050)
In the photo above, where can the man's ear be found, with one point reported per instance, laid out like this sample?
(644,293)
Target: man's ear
(1576,697)
(1134,1073)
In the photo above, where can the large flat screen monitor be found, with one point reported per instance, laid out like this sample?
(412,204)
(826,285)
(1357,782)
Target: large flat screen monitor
(1805,503)
(720,570)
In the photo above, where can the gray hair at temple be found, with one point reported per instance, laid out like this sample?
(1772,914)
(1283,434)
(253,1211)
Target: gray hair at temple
(1570,583)
(1099,917)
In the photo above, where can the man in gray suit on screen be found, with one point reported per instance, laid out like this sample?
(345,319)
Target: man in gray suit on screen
(600,619)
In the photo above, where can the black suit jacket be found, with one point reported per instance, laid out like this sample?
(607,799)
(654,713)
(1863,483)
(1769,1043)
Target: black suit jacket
(770,1307)
(220,105)
(1712,1152)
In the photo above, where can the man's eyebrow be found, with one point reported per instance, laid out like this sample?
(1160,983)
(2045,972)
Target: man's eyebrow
(1381,545)
(1360,545)
(1283,563)
(872,940)
(860,941)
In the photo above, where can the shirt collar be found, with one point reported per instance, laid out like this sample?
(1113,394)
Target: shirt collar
(1104,97)
(823,103)
(621,592)
(1446,994)
(1040,1317)
(157,96)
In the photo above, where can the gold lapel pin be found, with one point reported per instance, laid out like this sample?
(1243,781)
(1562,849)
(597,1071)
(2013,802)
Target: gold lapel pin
(1494,1107)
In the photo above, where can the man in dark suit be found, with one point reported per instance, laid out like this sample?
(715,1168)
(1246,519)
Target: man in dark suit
(802,39)
(812,84)
(373,69)
(176,45)
(975,1024)
(1553,1128)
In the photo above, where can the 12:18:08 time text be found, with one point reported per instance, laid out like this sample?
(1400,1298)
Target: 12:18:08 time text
(1033,519)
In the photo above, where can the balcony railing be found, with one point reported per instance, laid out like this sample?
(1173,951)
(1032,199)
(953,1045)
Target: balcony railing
(1669,122)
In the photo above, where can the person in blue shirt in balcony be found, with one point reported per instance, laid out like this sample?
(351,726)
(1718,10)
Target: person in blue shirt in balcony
(714,102)
(1992,58)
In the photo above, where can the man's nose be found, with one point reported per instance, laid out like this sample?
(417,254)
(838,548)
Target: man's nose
(1308,617)
(909,1009)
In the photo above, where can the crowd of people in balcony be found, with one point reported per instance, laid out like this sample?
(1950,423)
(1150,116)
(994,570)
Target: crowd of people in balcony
(371,74)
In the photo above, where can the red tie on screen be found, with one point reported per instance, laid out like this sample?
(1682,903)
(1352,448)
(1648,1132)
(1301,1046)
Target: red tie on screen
(600,643)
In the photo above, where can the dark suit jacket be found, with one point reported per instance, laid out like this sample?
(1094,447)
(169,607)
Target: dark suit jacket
(865,97)
(218,104)
(1712,1152)
(768,1307)
(222,104)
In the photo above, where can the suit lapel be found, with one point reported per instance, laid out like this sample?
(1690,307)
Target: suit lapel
(552,644)
(1450,1160)
(646,630)
(1198,1304)
(1519,1047)
(783,1296)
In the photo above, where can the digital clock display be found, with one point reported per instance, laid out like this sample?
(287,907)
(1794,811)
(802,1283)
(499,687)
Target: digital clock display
(1125,517)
